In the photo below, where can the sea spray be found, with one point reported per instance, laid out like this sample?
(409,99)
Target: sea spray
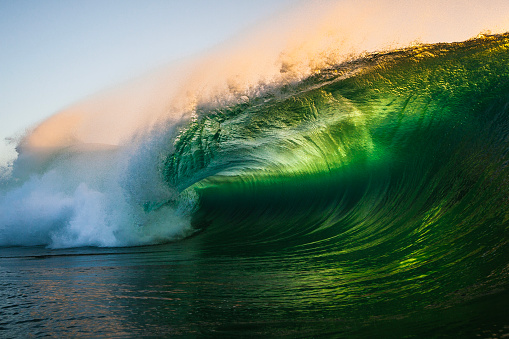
(90,195)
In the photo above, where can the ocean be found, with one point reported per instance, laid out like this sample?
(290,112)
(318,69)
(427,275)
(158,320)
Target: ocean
(368,199)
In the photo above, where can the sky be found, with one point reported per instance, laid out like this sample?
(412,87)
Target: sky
(54,53)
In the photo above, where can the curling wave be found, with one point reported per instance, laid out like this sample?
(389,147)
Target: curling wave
(392,169)
(411,141)
(382,183)
(374,189)
(333,188)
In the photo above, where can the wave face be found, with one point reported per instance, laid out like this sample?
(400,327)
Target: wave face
(387,175)
(407,147)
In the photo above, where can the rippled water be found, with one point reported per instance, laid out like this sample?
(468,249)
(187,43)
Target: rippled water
(184,289)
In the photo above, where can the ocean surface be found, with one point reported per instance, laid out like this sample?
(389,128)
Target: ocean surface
(370,199)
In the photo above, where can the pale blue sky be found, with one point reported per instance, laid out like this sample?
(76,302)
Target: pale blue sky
(54,52)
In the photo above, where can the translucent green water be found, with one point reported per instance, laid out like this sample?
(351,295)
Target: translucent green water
(381,195)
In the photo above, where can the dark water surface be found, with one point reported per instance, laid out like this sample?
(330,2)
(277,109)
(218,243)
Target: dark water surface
(180,289)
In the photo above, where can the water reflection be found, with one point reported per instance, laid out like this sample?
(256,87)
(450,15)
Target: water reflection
(189,289)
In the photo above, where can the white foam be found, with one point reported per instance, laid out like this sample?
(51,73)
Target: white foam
(90,197)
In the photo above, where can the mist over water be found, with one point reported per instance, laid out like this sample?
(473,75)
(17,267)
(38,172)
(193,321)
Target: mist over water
(92,175)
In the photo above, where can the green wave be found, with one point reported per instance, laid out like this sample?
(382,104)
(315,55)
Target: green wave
(390,173)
